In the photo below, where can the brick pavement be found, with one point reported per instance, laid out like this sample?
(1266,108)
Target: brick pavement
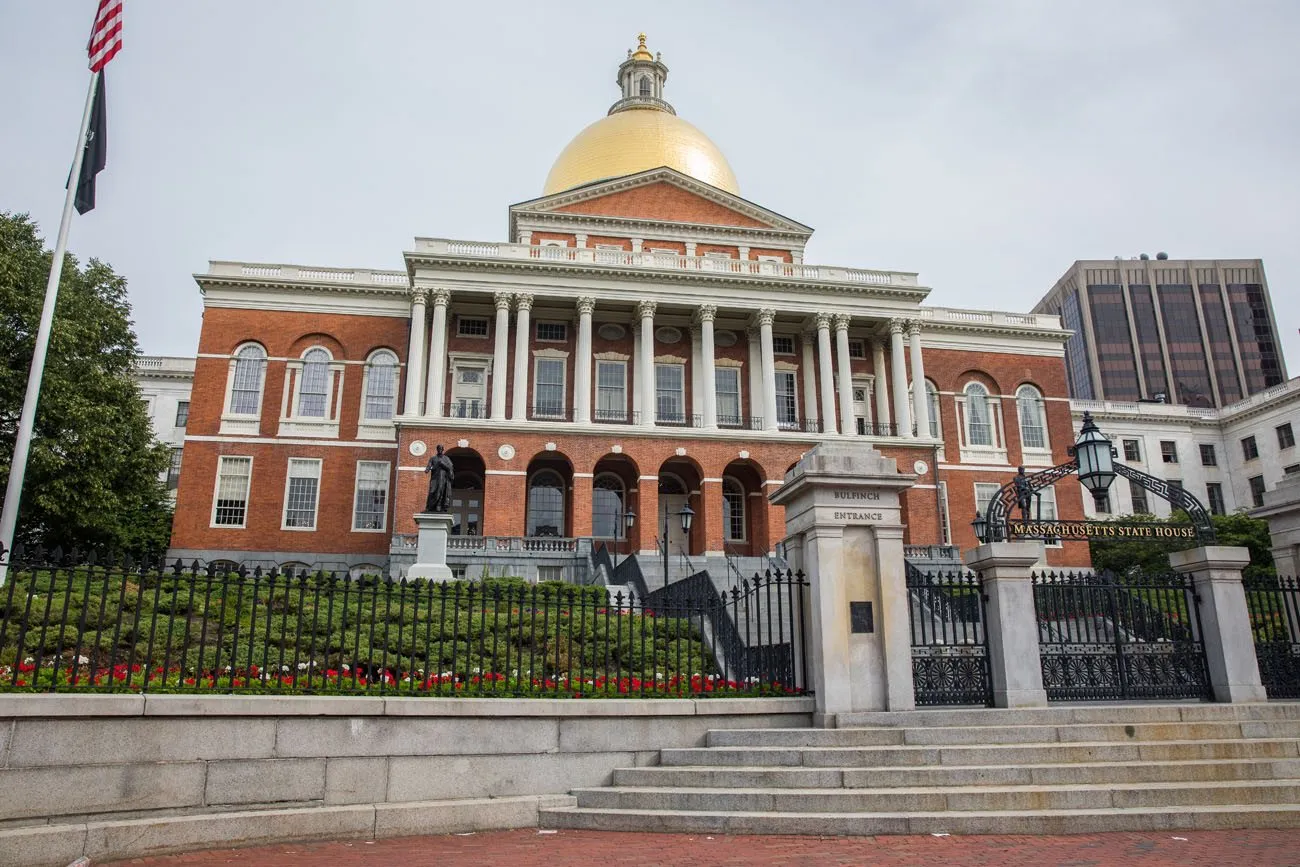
(527,848)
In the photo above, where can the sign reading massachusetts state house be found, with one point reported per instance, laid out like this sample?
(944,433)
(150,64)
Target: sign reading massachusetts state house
(1097,530)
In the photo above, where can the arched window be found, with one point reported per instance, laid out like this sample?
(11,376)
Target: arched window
(381,387)
(607,506)
(733,510)
(1029,407)
(546,504)
(313,388)
(979,416)
(932,400)
(246,381)
(644,86)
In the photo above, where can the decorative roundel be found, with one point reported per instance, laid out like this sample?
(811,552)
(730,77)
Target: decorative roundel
(417,447)
(668,334)
(920,468)
(506,452)
(550,447)
(724,338)
(744,455)
(681,452)
(616,449)
(612,331)
(462,444)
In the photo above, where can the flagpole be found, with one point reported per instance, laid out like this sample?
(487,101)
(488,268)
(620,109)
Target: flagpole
(22,444)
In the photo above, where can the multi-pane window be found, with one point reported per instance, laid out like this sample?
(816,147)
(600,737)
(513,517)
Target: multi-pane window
(1214,493)
(381,387)
(182,413)
(783,344)
(557,332)
(670,398)
(546,504)
(314,385)
(1257,490)
(1169,451)
(984,494)
(932,399)
(857,349)
(1138,496)
(1249,448)
(1208,457)
(1045,509)
(370,500)
(726,381)
(1102,502)
(733,510)
(607,507)
(301,489)
(246,387)
(471,326)
(174,470)
(1029,406)
(548,388)
(230,508)
(1285,436)
(979,417)
(1132,451)
(787,399)
(611,391)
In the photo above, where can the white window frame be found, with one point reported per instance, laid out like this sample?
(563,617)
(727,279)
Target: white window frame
(996,452)
(1033,455)
(487,326)
(564,387)
(793,344)
(243,422)
(288,478)
(991,488)
(374,428)
(739,417)
(620,531)
(860,344)
(681,369)
(216,491)
(356,497)
(793,422)
(537,331)
(294,425)
(621,409)
(744,512)
(1048,494)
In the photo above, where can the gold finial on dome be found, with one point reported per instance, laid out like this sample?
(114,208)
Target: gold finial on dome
(641,53)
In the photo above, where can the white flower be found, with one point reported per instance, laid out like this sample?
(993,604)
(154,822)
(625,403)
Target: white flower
(83,660)
(302,666)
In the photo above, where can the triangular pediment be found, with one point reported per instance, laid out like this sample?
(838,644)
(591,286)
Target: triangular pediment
(661,195)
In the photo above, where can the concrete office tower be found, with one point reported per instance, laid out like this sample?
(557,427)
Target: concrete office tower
(1200,332)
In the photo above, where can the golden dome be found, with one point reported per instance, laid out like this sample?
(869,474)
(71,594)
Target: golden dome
(642,53)
(636,140)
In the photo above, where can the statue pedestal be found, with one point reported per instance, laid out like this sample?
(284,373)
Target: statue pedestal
(431,548)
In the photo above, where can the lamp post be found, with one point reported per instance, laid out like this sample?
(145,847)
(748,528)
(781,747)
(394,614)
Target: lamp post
(686,515)
(981,525)
(1096,458)
(629,518)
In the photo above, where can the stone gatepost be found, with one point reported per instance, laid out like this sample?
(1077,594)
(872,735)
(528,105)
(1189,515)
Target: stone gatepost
(1225,620)
(1006,569)
(1282,511)
(844,530)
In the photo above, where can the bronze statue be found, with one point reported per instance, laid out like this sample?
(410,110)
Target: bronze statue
(440,473)
(1024,493)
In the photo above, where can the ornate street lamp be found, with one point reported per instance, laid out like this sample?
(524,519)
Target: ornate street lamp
(981,526)
(686,515)
(1096,458)
(629,518)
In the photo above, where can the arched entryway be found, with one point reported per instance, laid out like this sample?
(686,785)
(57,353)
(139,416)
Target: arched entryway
(744,509)
(548,503)
(679,486)
(613,494)
(467,499)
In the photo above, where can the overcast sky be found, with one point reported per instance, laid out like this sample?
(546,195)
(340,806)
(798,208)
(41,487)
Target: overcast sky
(986,145)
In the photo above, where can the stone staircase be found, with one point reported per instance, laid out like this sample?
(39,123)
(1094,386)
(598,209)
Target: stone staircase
(1059,770)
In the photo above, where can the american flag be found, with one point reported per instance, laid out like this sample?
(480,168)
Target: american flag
(106,34)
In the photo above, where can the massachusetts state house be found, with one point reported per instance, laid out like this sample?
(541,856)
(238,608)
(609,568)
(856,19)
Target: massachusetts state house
(645,340)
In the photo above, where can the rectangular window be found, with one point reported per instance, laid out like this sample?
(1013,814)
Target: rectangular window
(471,326)
(1257,490)
(548,388)
(1138,495)
(1291,469)
(984,494)
(1102,503)
(1249,448)
(183,414)
(611,391)
(174,470)
(555,332)
(787,399)
(670,398)
(1045,509)
(370,502)
(857,349)
(1285,436)
(945,520)
(230,507)
(1132,451)
(301,488)
(726,382)
(1169,452)
(550,573)
(783,344)
(1214,493)
(1208,457)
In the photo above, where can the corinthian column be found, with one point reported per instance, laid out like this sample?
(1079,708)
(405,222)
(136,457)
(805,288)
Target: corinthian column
(523,333)
(920,401)
(582,366)
(766,317)
(645,311)
(437,354)
(809,378)
(415,353)
(827,371)
(501,335)
(705,315)
(848,421)
(899,386)
(883,415)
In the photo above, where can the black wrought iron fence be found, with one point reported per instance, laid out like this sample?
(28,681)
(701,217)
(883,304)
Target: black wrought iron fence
(125,626)
(1273,603)
(950,661)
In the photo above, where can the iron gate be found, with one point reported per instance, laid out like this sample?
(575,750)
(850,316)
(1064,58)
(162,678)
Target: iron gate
(950,657)
(1274,606)
(1102,637)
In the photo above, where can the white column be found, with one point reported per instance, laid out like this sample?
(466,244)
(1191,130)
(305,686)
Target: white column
(754,366)
(827,371)
(499,351)
(920,403)
(809,376)
(848,421)
(582,365)
(899,386)
(705,315)
(765,318)
(437,354)
(523,335)
(645,311)
(697,390)
(883,415)
(415,353)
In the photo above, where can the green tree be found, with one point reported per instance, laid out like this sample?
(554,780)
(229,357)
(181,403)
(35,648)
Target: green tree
(93,475)
(1129,556)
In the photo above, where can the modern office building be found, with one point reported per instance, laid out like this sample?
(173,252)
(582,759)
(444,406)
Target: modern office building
(1194,332)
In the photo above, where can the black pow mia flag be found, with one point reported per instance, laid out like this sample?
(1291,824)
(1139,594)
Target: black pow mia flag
(96,155)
